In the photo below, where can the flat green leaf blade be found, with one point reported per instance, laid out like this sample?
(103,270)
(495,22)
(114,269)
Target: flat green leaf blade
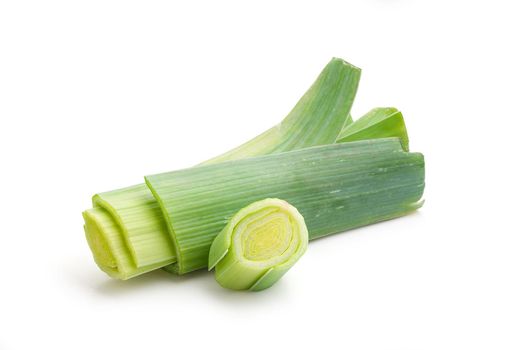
(315,120)
(377,123)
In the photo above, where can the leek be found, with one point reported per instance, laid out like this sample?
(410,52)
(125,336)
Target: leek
(139,225)
(259,244)
(335,187)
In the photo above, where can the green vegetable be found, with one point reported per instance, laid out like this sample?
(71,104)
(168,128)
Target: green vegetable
(335,187)
(139,224)
(377,123)
(258,245)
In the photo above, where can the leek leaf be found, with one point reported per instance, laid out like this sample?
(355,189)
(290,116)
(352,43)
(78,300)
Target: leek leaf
(377,123)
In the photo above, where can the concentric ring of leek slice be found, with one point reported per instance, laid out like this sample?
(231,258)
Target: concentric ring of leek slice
(258,245)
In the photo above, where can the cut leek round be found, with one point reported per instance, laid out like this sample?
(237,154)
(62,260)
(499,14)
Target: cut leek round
(258,245)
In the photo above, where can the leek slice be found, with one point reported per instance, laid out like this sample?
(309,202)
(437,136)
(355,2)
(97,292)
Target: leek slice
(258,245)
(316,119)
(335,187)
(377,123)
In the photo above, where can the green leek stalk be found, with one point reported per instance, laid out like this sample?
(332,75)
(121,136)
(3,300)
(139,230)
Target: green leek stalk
(259,244)
(336,188)
(377,123)
(134,218)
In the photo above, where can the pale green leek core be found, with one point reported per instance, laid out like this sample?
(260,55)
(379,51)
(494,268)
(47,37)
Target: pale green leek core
(336,188)
(259,244)
(110,252)
(133,216)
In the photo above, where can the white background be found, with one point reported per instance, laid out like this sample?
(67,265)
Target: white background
(96,94)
